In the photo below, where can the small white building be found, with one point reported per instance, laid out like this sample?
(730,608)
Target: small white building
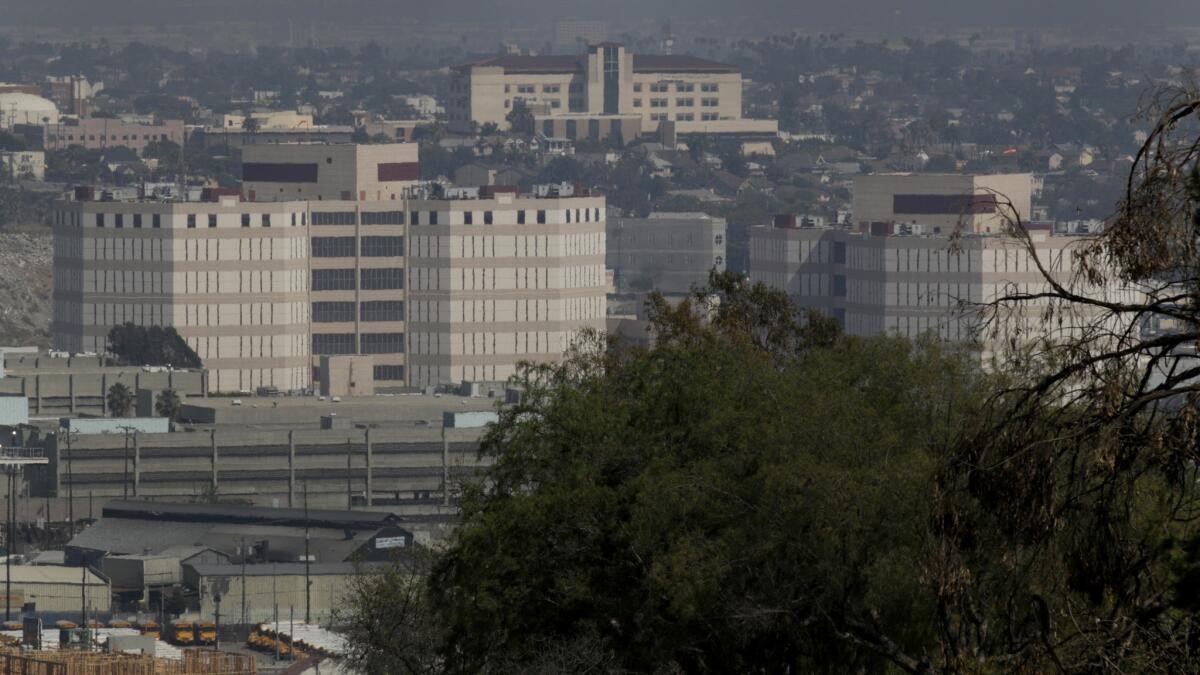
(23,164)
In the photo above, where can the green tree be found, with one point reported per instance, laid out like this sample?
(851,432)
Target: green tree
(388,620)
(119,399)
(167,404)
(520,118)
(151,346)
(749,495)
(1064,533)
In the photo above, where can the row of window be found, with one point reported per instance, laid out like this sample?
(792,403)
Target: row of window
(382,244)
(574,88)
(389,373)
(684,117)
(370,247)
(683,87)
(368,311)
(367,218)
(679,102)
(137,220)
(382,279)
(370,343)
(124,137)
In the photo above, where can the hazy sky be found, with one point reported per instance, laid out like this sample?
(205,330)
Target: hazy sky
(902,14)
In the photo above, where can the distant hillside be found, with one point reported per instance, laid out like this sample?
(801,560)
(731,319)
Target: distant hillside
(26,288)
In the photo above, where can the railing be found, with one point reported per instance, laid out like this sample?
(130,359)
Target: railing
(22,454)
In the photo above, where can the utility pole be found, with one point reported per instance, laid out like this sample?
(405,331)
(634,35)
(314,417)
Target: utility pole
(349,499)
(125,474)
(243,581)
(307,561)
(217,620)
(70,487)
(83,594)
(11,544)
(275,601)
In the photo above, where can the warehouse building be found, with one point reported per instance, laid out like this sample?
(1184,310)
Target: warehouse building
(139,573)
(53,589)
(273,587)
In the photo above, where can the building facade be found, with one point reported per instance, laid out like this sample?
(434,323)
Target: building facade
(231,277)
(358,290)
(318,172)
(668,252)
(916,284)
(435,289)
(98,133)
(941,202)
(23,165)
(604,81)
(499,280)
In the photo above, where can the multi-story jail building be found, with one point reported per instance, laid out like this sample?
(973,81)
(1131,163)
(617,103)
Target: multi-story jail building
(910,282)
(231,277)
(494,280)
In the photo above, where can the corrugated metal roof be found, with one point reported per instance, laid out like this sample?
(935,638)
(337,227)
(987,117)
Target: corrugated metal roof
(120,535)
(242,513)
(152,539)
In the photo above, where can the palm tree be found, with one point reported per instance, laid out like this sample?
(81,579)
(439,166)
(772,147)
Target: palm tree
(119,400)
(168,404)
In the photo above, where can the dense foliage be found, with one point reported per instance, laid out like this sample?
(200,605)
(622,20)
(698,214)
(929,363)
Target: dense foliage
(732,500)
(151,346)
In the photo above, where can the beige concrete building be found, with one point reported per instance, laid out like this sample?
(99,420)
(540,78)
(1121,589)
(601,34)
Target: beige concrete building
(231,277)
(318,172)
(915,284)
(605,81)
(499,280)
(263,290)
(98,133)
(939,202)
(668,252)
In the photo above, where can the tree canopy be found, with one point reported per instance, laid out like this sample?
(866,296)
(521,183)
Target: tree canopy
(151,346)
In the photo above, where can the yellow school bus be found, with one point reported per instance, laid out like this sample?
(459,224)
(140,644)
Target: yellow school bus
(183,632)
(150,628)
(206,633)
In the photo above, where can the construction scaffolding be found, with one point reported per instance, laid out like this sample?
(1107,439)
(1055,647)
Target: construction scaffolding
(195,662)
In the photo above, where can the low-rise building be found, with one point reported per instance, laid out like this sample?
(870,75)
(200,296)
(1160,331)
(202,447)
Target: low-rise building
(99,133)
(53,589)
